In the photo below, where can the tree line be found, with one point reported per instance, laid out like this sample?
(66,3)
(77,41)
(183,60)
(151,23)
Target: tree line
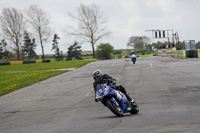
(143,43)
(24,31)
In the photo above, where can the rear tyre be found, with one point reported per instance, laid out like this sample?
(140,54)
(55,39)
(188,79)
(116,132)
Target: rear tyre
(117,110)
(133,60)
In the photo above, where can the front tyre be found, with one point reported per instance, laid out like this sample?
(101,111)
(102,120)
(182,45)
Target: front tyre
(116,109)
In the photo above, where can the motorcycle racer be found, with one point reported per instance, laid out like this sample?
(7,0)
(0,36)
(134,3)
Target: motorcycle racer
(100,78)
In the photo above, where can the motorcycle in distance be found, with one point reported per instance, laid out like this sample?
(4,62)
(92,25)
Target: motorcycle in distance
(133,58)
(115,100)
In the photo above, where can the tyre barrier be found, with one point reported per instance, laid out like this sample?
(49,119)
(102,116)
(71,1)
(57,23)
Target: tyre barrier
(5,63)
(16,62)
(165,52)
(28,62)
(23,62)
(192,53)
(181,54)
(45,61)
(38,61)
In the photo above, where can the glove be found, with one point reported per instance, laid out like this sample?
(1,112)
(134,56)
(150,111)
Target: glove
(114,82)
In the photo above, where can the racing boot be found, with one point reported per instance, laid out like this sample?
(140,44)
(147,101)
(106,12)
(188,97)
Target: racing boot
(131,100)
(122,89)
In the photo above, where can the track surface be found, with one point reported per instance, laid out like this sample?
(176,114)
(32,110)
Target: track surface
(167,91)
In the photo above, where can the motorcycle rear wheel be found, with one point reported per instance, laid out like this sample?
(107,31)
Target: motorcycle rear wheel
(115,109)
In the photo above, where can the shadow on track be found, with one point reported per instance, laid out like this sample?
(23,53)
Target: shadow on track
(113,116)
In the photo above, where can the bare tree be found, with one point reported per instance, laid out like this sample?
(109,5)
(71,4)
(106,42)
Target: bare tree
(12,25)
(138,42)
(91,25)
(39,21)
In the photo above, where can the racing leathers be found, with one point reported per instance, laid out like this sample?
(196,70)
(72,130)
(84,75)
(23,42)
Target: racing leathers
(111,81)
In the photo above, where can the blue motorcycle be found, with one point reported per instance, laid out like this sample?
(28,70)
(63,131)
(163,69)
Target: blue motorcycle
(133,58)
(115,100)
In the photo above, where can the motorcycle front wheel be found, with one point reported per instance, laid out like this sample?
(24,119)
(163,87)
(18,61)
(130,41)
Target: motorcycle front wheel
(116,109)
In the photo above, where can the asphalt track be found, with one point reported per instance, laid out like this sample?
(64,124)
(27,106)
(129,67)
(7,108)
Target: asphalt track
(166,89)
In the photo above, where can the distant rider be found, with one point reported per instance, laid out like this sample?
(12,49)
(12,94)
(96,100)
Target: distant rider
(132,52)
(100,78)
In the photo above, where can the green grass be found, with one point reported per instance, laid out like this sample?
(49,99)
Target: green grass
(117,55)
(91,57)
(13,81)
(82,56)
(45,66)
(54,60)
(87,57)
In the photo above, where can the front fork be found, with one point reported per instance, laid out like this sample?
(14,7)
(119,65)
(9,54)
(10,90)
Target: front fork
(117,103)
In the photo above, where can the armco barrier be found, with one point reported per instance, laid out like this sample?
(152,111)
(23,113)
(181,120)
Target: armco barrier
(24,62)
(192,53)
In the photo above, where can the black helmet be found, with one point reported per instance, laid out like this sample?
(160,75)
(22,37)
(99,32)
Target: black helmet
(97,75)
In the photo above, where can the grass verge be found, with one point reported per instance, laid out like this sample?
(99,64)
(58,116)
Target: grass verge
(45,66)
(10,82)
(13,81)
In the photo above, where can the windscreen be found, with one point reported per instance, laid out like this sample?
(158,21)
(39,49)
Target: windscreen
(100,86)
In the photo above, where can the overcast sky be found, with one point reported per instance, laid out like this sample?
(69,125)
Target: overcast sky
(126,18)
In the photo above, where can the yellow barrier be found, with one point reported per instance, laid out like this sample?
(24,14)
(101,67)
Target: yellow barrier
(184,54)
(181,54)
(38,61)
(16,62)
